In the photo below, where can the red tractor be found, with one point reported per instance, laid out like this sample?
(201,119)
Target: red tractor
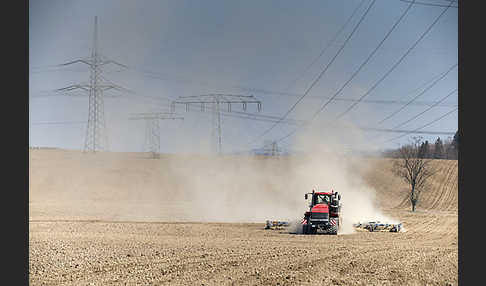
(323,213)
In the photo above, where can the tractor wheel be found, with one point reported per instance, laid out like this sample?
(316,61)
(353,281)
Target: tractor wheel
(313,230)
(333,230)
(308,229)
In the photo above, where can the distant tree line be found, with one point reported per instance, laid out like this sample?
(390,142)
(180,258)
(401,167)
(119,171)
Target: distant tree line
(440,149)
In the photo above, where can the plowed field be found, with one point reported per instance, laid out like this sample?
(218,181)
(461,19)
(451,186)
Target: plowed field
(122,219)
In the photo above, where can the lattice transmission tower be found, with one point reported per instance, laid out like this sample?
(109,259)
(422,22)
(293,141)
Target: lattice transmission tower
(215,101)
(152,129)
(96,135)
(271,148)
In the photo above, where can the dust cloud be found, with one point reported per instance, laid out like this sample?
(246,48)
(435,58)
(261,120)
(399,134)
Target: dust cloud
(205,188)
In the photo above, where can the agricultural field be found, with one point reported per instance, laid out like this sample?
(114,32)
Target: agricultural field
(124,219)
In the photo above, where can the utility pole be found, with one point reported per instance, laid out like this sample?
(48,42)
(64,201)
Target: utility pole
(96,136)
(270,148)
(215,101)
(275,150)
(152,129)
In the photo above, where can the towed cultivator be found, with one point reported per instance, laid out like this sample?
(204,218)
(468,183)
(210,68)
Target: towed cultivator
(378,226)
(276,224)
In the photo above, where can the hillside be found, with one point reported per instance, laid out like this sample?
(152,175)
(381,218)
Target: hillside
(441,192)
(130,186)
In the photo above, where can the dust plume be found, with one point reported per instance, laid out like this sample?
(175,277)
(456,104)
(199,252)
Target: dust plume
(204,188)
(328,161)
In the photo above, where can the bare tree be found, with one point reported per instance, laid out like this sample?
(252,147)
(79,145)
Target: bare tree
(413,168)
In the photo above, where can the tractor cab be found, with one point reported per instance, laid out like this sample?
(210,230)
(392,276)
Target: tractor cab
(321,198)
(330,199)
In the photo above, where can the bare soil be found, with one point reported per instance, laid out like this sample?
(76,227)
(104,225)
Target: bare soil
(78,235)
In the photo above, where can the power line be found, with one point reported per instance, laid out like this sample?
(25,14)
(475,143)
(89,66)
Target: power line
(58,122)
(368,101)
(365,62)
(393,102)
(422,127)
(244,115)
(267,118)
(406,131)
(150,74)
(414,117)
(379,81)
(270,92)
(320,75)
(55,70)
(371,129)
(326,48)
(397,63)
(418,95)
(380,130)
(428,4)
(289,94)
(345,99)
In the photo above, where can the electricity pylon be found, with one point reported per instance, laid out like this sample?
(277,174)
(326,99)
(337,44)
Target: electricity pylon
(96,136)
(152,129)
(275,149)
(271,148)
(216,100)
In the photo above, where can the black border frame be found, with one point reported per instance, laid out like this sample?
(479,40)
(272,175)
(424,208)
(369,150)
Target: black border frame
(15,193)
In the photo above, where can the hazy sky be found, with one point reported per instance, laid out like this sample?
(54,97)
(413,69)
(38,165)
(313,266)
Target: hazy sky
(178,48)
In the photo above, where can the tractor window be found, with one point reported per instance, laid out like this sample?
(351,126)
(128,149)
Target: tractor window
(323,199)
